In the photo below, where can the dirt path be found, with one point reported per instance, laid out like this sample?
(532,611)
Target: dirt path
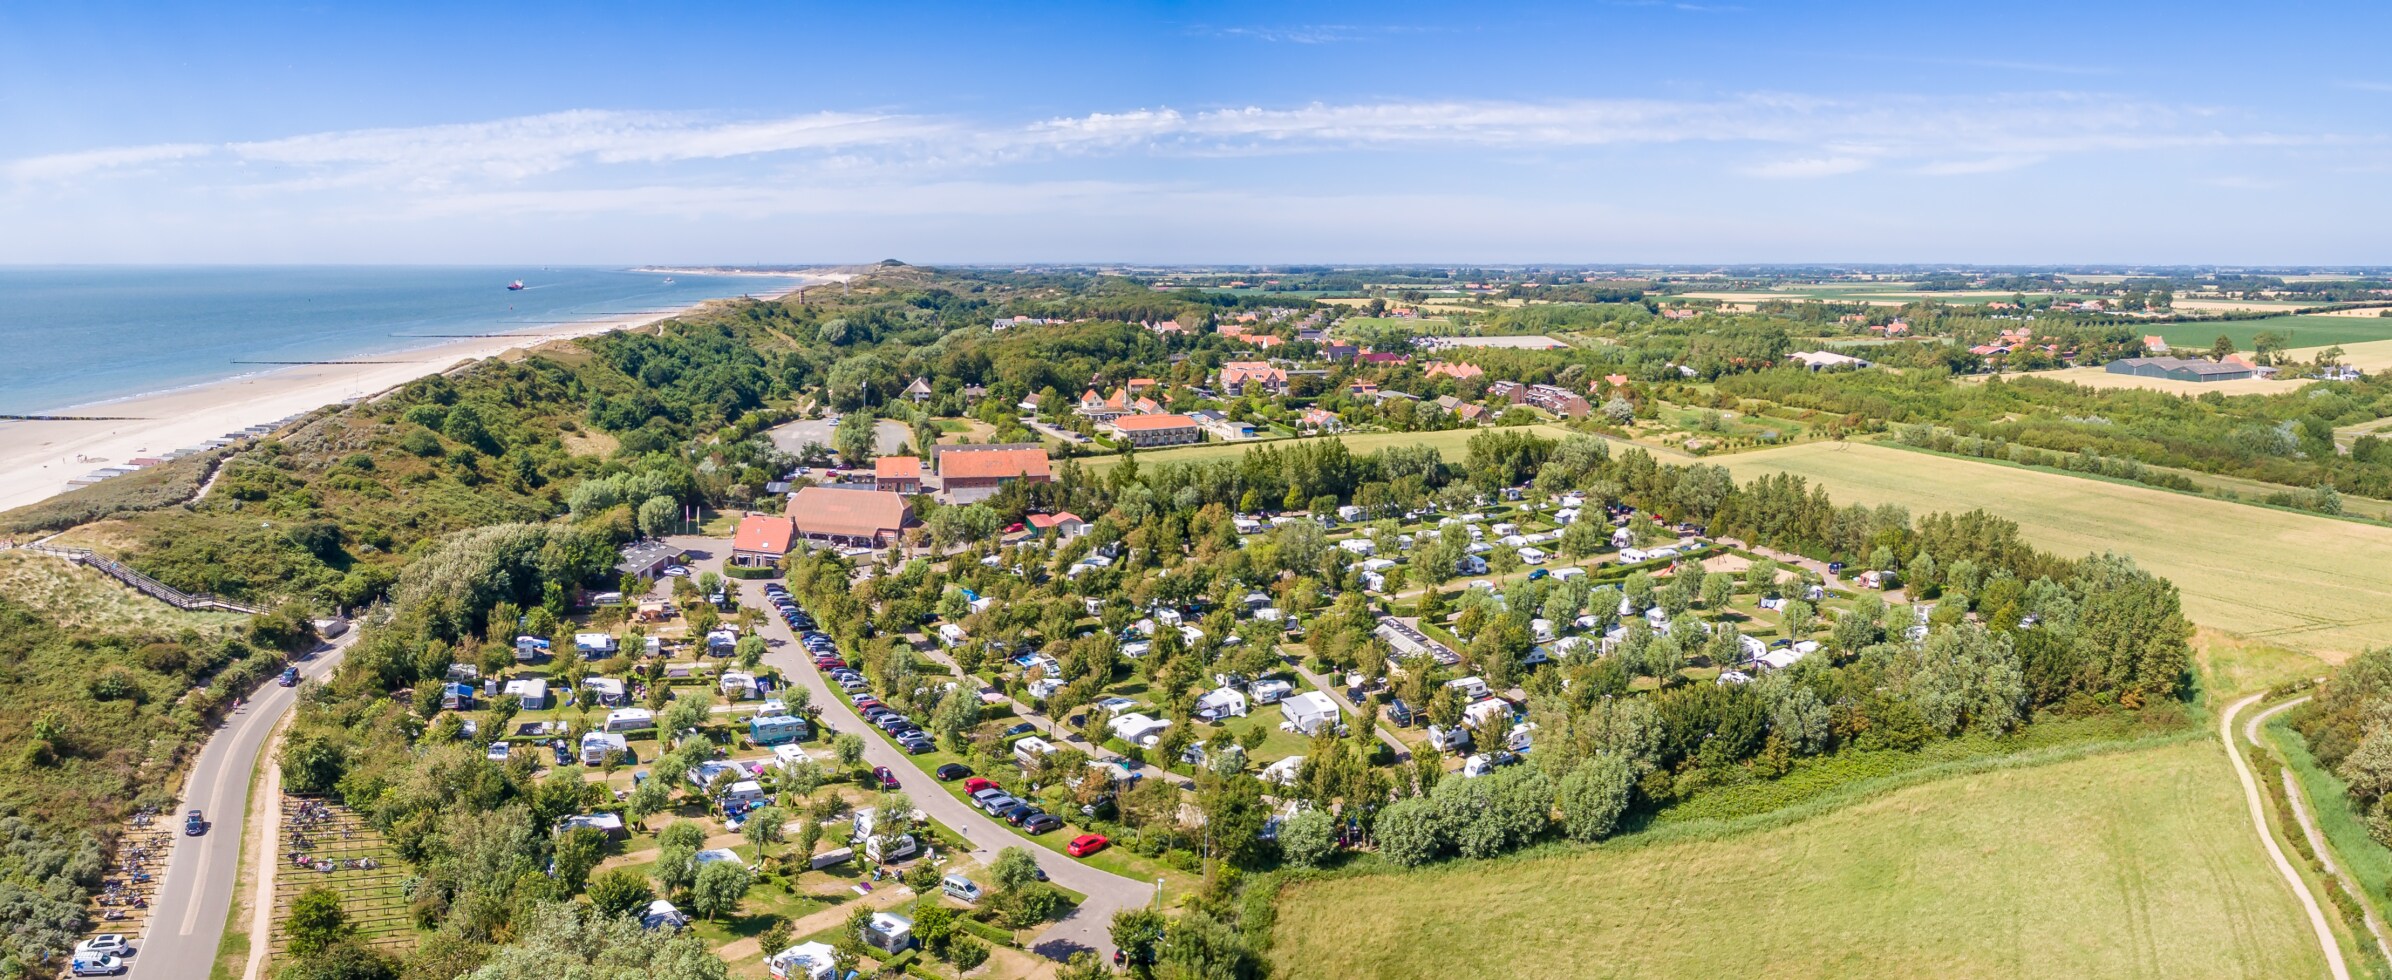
(261,853)
(2242,771)
(2310,831)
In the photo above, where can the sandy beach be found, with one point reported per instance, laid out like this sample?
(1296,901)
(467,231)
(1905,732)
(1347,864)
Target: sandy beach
(37,458)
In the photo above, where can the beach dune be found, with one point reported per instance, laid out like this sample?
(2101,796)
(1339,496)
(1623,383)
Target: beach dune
(38,458)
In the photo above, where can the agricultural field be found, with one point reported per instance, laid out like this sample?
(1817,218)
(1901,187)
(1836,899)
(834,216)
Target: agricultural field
(2130,864)
(2315,584)
(2309,330)
(1451,442)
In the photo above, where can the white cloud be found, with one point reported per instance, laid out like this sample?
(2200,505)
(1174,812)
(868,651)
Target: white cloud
(1806,167)
(60,166)
(1986,165)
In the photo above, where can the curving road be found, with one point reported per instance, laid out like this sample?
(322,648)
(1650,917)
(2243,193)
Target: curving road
(2242,771)
(1086,928)
(196,893)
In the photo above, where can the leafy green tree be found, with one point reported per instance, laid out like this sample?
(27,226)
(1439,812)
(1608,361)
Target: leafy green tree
(620,892)
(658,516)
(1409,832)
(1014,870)
(1307,839)
(720,887)
(848,748)
(317,922)
(1594,796)
(563,940)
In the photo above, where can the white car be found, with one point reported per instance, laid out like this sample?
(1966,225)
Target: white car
(105,944)
(98,966)
(677,571)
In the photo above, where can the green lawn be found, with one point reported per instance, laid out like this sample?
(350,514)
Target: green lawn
(1450,442)
(2138,863)
(2345,829)
(2302,331)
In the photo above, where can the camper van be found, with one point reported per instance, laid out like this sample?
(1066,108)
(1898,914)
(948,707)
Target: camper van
(960,888)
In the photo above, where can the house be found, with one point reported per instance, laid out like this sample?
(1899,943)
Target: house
(1320,420)
(889,932)
(530,692)
(1064,526)
(777,730)
(1456,371)
(971,473)
(897,474)
(1029,403)
(1156,430)
(630,720)
(1237,376)
(805,961)
(596,745)
(1219,703)
(761,541)
(859,518)
(2179,369)
(1103,408)
(1307,712)
(646,559)
(2154,344)
(1222,426)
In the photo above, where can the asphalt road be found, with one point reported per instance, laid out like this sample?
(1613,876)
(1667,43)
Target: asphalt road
(1087,928)
(196,894)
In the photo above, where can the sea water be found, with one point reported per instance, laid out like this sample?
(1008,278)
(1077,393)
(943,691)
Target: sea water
(73,336)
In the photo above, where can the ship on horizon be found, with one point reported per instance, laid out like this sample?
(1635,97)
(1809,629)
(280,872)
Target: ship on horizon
(515,287)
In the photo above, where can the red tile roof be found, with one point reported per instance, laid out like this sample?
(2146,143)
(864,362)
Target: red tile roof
(764,534)
(1043,521)
(998,463)
(850,513)
(897,468)
(1148,422)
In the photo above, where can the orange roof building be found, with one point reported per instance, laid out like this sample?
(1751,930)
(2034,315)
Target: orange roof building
(860,518)
(1156,430)
(968,474)
(762,540)
(898,474)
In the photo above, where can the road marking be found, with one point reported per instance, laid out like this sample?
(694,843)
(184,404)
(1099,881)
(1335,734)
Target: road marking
(207,846)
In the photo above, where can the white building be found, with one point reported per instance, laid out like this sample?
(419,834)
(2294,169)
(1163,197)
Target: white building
(1307,712)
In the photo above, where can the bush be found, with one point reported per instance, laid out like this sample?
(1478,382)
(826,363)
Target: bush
(743,572)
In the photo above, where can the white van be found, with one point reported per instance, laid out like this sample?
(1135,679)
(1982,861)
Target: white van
(961,888)
(881,850)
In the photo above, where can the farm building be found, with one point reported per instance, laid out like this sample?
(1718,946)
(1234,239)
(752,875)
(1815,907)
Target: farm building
(970,473)
(860,518)
(2179,369)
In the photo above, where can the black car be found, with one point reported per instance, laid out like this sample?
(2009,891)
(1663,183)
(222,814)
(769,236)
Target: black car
(952,771)
(194,824)
(1021,729)
(1042,823)
(1018,812)
(564,757)
(917,746)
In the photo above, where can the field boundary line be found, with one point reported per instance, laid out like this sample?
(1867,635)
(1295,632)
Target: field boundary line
(2275,852)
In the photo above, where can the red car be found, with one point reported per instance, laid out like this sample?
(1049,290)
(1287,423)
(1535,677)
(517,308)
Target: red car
(1085,844)
(888,780)
(976,784)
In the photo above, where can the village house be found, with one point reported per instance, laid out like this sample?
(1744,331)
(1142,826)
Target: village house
(761,541)
(1064,526)
(1456,371)
(1103,408)
(1237,376)
(970,473)
(918,392)
(855,518)
(1222,426)
(897,474)
(1156,430)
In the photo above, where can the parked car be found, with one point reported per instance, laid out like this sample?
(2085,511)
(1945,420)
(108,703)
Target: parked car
(1021,814)
(975,784)
(105,944)
(1085,844)
(564,756)
(1021,729)
(1040,824)
(98,966)
(888,780)
(996,804)
(917,746)
(194,823)
(952,771)
(289,678)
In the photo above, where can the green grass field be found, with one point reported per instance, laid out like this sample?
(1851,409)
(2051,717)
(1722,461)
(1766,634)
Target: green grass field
(2130,864)
(2309,583)
(1451,442)
(2303,331)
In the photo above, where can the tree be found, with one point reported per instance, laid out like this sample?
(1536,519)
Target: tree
(317,922)
(659,515)
(652,796)
(1013,870)
(721,885)
(764,825)
(848,748)
(620,892)
(1137,932)
(1409,832)
(1718,591)
(1594,796)
(577,851)
(1308,838)
(775,937)
(561,939)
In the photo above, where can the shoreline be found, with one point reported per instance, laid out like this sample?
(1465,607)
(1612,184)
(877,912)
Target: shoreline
(39,458)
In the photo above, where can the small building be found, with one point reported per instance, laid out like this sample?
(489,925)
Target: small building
(610,824)
(897,474)
(971,473)
(1156,430)
(1305,713)
(2179,369)
(777,730)
(804,961)
(1222,426)
(646,559)
(762,540)
(857,518)
(1064,526)
(605,691)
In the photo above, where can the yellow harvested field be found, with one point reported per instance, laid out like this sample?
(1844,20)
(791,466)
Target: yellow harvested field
(2132,864)
(2232,305)
(2314,584)
(2371,356)
(2362,312)
(2093,377)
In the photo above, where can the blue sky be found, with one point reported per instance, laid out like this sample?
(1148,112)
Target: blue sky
(1586,132)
